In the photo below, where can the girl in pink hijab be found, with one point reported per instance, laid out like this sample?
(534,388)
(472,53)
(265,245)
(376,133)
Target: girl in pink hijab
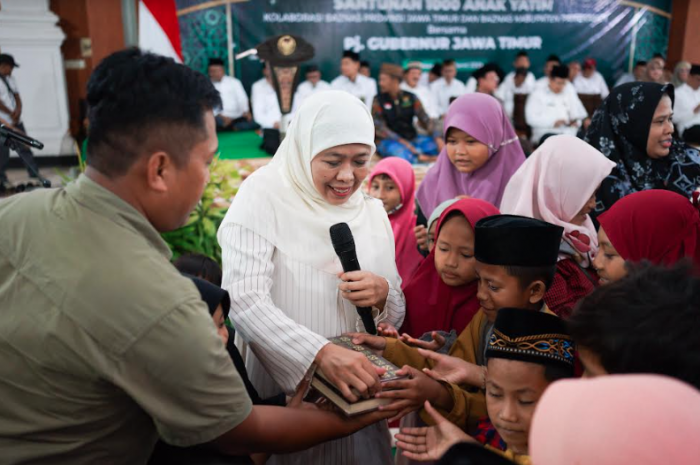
(619,419)
(481,153)
(558,184)
(393,182)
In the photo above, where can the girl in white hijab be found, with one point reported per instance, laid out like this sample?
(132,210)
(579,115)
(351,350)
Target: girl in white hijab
(288,290)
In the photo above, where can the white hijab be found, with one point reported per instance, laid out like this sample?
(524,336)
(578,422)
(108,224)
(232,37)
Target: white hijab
(280,202)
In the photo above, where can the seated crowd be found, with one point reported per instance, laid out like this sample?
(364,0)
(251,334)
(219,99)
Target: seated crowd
(410,116)
(499,284)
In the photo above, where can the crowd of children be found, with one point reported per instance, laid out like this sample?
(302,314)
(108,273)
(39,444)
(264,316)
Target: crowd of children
(518,273)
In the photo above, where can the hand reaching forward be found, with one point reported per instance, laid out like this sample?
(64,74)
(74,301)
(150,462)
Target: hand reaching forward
(430,442)
(454,370)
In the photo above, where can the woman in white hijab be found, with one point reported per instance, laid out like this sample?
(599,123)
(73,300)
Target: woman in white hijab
(288,290)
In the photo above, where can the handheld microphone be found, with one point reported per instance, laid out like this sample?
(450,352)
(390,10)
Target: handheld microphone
(344,246)
(9,134)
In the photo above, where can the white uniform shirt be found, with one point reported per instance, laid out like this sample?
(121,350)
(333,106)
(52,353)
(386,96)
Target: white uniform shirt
(687,100)
(7,97)
(306,89)
(624,79)
(594,85)
(425,96)
(233,97)
(470,85)
(544,108)
(443,92)
(507,90)
(266,107)
(363,87)
(543,83)
(289,309)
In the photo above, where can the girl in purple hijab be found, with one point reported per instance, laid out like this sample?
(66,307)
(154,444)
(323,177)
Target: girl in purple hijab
(481,153)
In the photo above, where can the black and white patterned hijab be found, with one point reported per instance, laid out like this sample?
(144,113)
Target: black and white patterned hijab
(620,129)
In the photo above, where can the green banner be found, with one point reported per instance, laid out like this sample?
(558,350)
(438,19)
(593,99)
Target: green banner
(472,32)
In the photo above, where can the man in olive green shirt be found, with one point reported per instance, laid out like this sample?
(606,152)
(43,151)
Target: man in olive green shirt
(103,345)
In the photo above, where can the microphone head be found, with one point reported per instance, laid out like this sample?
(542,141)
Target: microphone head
(341,236)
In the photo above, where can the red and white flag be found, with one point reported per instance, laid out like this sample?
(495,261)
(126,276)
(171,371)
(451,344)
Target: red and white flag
(159,31)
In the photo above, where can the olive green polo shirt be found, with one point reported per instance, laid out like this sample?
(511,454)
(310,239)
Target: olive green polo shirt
(103,345)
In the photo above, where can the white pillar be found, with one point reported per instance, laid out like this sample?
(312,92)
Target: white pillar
(29,32)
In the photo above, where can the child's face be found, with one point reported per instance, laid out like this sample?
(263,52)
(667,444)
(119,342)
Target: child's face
(220,323)
(465,152)
(454,252)
(608,263)
(498,289)
(431,236)
(386,190)
(513,389)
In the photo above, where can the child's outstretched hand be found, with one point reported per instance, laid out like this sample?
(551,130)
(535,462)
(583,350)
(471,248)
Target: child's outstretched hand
(409,394)
(421,237)
(430,442)
(376,344)
(453,370)
(436,344)
(387,330)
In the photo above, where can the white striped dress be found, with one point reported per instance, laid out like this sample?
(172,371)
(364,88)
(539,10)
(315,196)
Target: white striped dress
(285,310)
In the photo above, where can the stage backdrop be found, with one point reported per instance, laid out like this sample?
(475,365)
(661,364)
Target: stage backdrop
(472,32)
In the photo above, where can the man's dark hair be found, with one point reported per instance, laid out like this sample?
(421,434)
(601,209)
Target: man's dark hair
(640,63)
(354,56)
(648,322)
(529,274)
(553,58)
(521,53)
(659,55)
(312,69)
(199,266)
(214,61)
(436,69)
(364,64)
(448,62)
(140,103)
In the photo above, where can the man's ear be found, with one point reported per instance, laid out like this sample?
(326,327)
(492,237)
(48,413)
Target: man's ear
(159,168)
(537,289)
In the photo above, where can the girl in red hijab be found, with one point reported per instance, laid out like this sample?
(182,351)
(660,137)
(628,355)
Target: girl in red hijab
(441,295)
(655,225)
(393,182)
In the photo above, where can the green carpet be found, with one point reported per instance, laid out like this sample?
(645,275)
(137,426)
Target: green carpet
(238,145)
(232,146)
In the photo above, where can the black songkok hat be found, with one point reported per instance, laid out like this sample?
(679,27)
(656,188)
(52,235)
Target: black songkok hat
(694,69)
(561,71)
(212,295)
(511,240)
(216,62)
(352,55)
(530,336)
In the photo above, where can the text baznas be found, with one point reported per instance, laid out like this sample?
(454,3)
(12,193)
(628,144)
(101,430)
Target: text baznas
(445,5)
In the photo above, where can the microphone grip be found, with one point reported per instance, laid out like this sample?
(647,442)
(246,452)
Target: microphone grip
(348,259)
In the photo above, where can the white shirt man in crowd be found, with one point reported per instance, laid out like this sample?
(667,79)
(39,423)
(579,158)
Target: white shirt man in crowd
(11,116)
(638,73)
(310,86)
(447,87)
(590,81)
(266,107)
(352,81)
(366,71)
(487,79)
(411,83)
(235,112)
(687,102)
(519,81)
(552,110)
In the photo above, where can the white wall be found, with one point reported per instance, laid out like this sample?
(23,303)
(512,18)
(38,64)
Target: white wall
(29,32)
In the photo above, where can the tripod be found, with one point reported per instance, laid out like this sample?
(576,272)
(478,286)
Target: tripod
(15,141)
